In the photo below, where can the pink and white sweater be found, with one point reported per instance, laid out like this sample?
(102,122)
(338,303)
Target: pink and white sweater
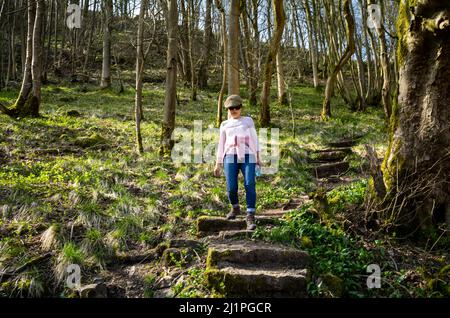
(237,136)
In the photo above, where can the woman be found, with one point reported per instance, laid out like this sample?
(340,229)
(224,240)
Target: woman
(238,149)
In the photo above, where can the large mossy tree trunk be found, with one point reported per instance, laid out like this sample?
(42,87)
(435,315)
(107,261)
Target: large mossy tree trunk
(417,163)
(168,125)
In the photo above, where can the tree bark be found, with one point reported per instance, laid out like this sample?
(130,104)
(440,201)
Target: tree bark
(350,31)
(280,19)
(417,162)
(106,65)
(207,44)
(385,66)
(225,61)
(281,84)
(139,71)
(168,124)
(233,49)
(312,44)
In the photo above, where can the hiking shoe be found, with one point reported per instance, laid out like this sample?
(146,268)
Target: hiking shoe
(251,222)
(234,211)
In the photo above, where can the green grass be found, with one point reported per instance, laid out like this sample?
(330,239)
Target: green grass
(85,171)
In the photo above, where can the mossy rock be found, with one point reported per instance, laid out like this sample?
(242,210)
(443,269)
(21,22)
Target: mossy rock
(176,256)
(334,284)
(306,242)
(260,282)
(90,141)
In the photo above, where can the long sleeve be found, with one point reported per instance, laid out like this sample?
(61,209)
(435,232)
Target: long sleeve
(254,137)
(221,145)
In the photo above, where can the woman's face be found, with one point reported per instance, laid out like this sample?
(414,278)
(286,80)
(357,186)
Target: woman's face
(235,112)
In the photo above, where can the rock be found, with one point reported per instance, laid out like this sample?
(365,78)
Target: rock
(258,282)
(334,284)
(94,291)
(193,244)
(235,234)
(163,282)
(207,225)
(306,242)
(263,219)
(330,169)
(164,293)
(73,113)
(343,143)
(255,253)
(175,256)
(329,156)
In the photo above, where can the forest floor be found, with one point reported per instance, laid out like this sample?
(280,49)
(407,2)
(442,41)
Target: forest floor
(74,191)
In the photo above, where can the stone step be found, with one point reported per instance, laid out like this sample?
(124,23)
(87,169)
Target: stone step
(343,143)
(330,169)
(255,253)
(342,149)
(235,234)
(329,156)
(258,282)
(208,225)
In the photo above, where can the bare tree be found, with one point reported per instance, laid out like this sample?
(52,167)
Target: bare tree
(168,124)
(350,49)
(139,71)
(280,19)
(223,25)
(106,66)
(233,48)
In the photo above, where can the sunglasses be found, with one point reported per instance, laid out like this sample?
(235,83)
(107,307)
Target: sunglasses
(235,107)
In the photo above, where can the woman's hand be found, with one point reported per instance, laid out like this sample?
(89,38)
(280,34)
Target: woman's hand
(258,160)
(217,170)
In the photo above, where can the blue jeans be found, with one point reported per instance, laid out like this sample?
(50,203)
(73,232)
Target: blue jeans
(231,167)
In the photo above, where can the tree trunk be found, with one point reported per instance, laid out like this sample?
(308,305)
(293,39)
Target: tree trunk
(233,49)
(281,84)
(385,65)
(207,43)
(417,162)
(312,44)
(225,61)
(280,19)
(191,24)
(106,65)
(27,83)
(350,31)
(28,102)
(168,124)
(139,71)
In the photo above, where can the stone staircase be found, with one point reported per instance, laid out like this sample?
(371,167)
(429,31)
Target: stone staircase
(257,269)
(240,267)
(331,162)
